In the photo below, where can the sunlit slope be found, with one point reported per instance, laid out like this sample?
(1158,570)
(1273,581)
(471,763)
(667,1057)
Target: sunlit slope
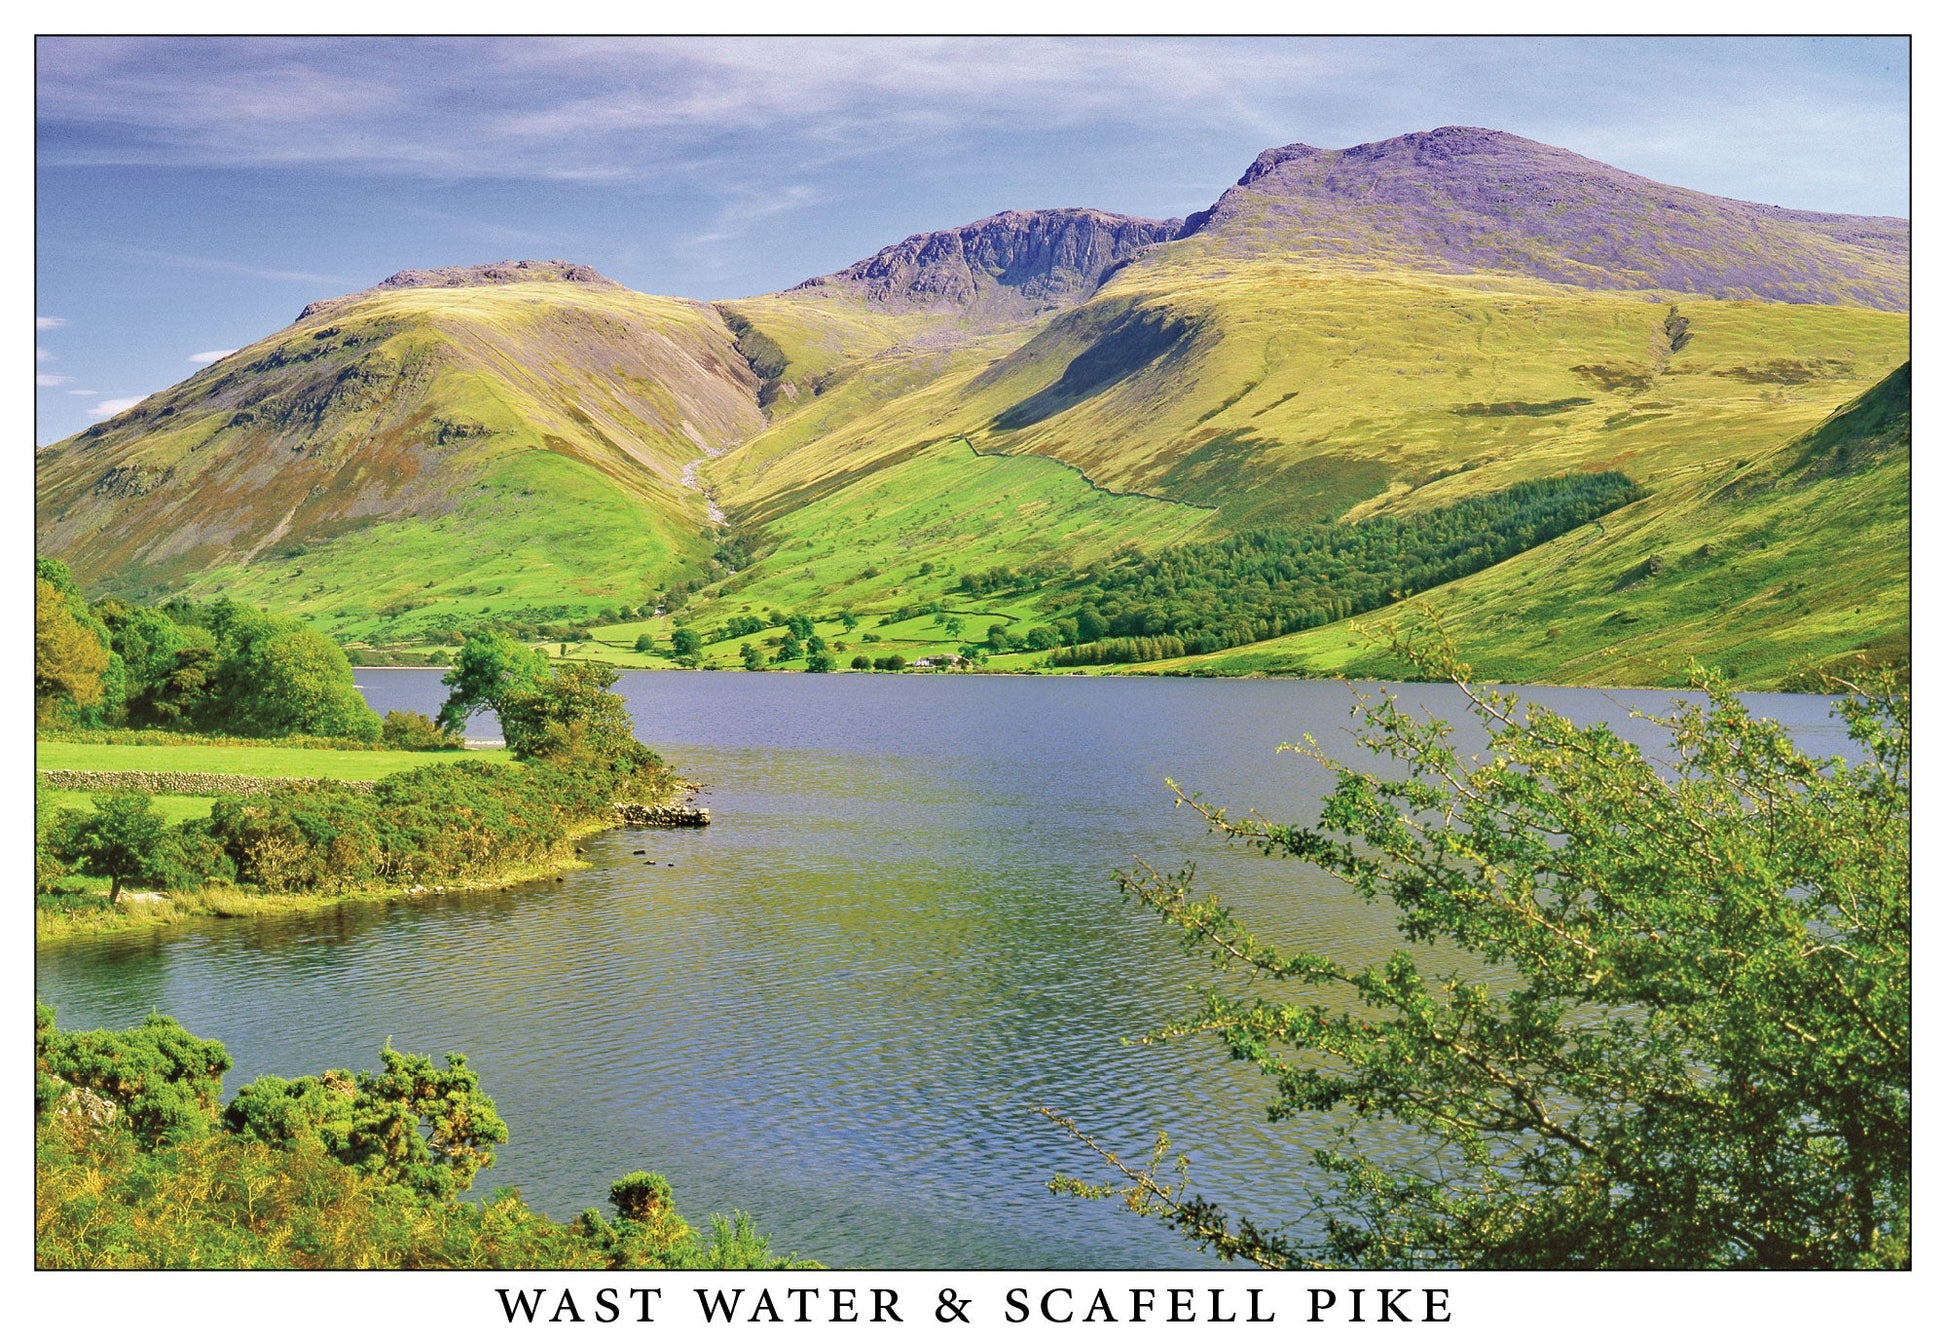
(903,534)
(1270,394)
(1794,556)
(1278,393)
(519,443)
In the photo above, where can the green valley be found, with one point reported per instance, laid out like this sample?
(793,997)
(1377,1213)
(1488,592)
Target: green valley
(1384,332)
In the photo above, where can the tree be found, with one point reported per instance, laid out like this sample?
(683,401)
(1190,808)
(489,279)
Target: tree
(71,652)
(820,662)
(297,682)
(489,667)
(416,731)
(685,642)
(799,626)
(1684,1037)
(861,662)
(572,706)
(753,657)
(124,839)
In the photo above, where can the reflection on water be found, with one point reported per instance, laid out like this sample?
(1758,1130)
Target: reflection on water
(837,1006)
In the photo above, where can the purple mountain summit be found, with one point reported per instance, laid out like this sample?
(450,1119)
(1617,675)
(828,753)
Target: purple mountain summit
(1457,200)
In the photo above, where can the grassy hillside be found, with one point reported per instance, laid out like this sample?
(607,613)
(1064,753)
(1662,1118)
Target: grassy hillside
(502,445)
(1385,330)
(1271,394)
(1799,556)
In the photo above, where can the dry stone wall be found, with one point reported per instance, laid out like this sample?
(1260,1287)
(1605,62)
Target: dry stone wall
(184,783)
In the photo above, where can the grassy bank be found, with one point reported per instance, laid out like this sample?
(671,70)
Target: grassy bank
(348,765)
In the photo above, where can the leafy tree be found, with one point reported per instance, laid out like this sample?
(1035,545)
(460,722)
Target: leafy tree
(415,730)
(71,651)
(685,642)
(848,619)
(820,662)
(789,649)
(556,711)
(1684,1035)
(645,642)
(998,638)
(799,626)
(753,657)
(489,666)
(124,839)
(861,662)
(894,662)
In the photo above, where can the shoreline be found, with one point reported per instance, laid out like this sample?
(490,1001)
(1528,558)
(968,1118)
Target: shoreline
(237,903)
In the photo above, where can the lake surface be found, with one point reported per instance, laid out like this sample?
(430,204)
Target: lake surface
(837,1006)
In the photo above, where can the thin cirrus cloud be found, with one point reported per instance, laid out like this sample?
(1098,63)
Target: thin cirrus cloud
(49,322)
(1813,119)
(209,356)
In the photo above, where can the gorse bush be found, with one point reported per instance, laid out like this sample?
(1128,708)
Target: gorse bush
(136,1168)
(1686,1040)
(449,821)
(445,822)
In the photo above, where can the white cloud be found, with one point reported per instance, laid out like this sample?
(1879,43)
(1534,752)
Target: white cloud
(109,408)
(50,379)
(596,110)
(209,356)
(83,391)
(41,355)
(49,322)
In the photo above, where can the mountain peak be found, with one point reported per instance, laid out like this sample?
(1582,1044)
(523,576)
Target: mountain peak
(472,276)
(1470,200)
(1012,263)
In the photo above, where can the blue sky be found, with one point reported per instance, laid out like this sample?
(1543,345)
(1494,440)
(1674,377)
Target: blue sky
(193,194)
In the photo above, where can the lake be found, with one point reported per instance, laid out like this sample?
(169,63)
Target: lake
(837,1006)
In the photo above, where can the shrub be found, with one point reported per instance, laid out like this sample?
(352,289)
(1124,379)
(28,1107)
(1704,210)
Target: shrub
(416,730)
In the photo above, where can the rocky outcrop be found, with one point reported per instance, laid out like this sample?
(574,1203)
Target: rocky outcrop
(661,816)
(1015,263)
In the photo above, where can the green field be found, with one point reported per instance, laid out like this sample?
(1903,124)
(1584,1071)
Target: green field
(172,808)
(348,765)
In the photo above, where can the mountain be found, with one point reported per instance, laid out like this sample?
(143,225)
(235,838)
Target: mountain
(1012,264)
(1462,200)
(1385,330)
(512,435)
